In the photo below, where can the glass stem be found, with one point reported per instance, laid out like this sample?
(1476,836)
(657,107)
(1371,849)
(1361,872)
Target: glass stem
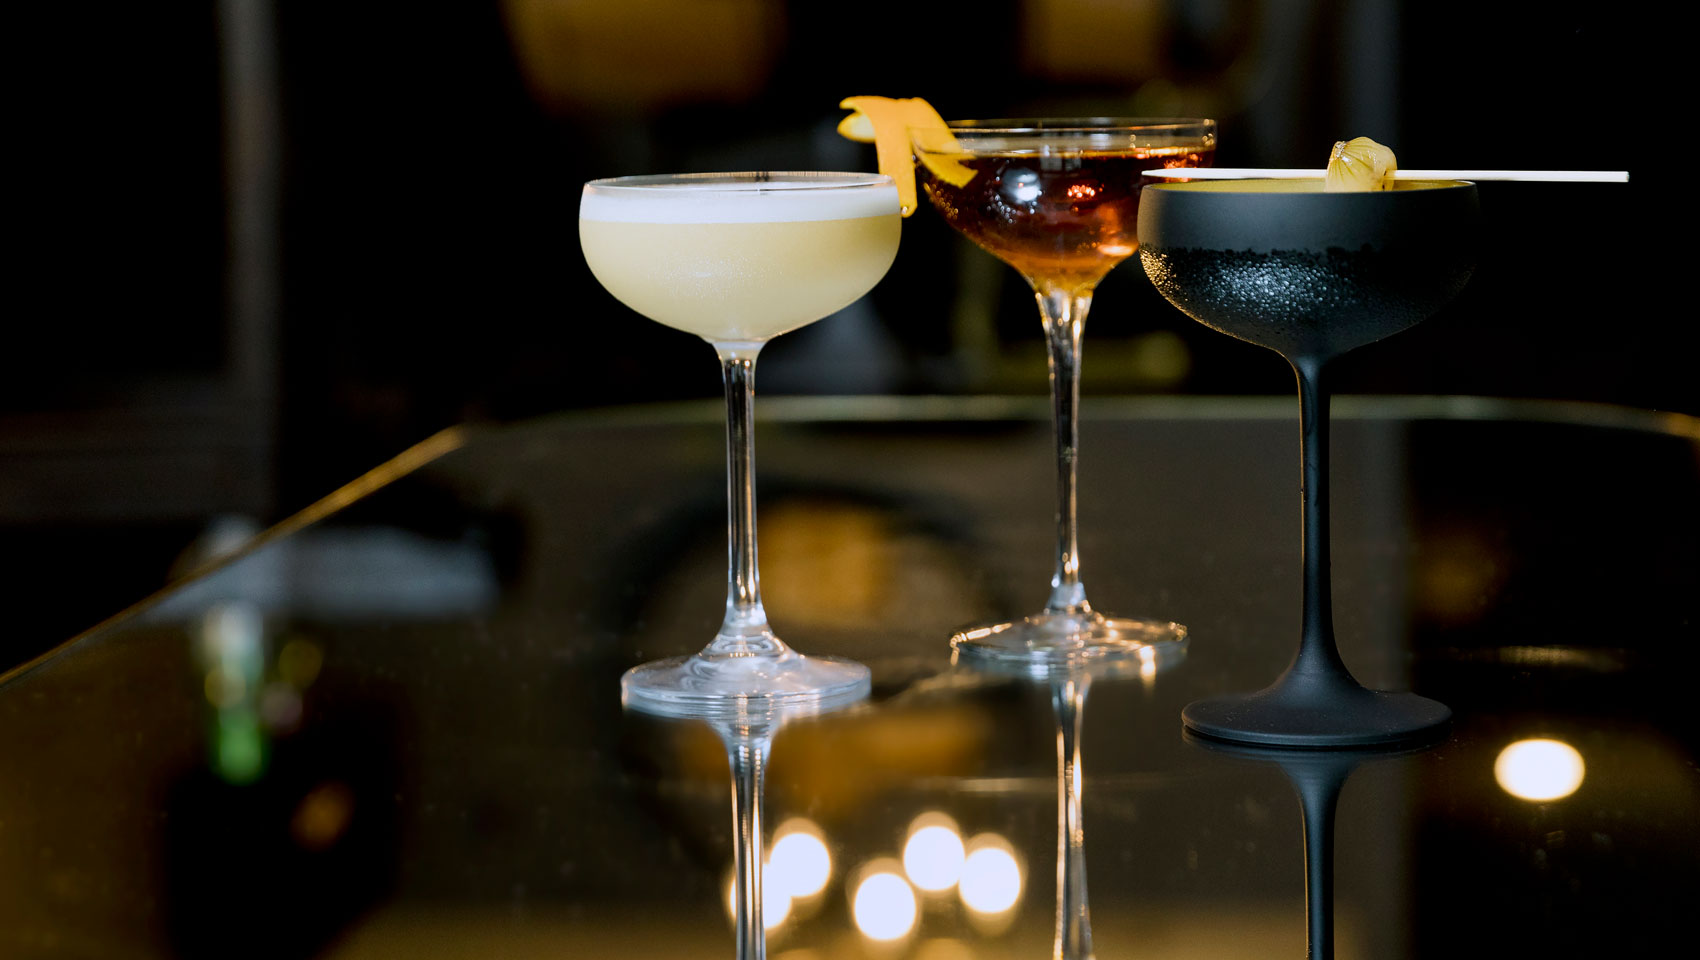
(1318,659)
(1074,923)
(744,632)
(747,753)
(1064,315)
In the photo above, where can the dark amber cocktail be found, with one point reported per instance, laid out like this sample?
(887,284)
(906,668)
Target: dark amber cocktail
(1058,200)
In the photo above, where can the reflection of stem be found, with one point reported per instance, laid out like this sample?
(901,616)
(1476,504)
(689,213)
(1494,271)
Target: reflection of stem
(747,750)
(1074,925)
(1064,316)
(1319,793)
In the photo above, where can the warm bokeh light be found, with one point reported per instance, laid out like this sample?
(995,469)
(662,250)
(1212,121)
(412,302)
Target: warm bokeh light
(991,877)
(1539,769)
(775,903)
(933,855)
(799,862)
(884,906)
(225,688)
(1147,664)
(298,663)
(323,815)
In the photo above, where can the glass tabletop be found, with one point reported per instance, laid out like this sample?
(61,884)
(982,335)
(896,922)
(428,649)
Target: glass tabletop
(391,726)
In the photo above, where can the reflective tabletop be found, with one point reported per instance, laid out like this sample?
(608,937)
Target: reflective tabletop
(391,726)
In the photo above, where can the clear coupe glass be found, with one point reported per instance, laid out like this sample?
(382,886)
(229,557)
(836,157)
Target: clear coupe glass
(1058,200)
(737,259)
(1311,275)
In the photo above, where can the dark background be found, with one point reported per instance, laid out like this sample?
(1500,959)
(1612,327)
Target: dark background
(267,246)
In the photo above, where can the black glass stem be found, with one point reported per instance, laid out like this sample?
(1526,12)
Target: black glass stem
(1318,658)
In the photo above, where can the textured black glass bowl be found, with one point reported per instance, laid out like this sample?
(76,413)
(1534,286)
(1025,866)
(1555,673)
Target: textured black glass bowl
(1311,275)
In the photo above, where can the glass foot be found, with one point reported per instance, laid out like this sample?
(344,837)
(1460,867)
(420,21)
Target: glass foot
(1318,718)
(725,687)
(1055,638)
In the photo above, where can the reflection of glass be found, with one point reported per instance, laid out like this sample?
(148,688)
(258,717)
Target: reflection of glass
(1311,275)
(748,735)
(1317,777)
(738,259)
(1069,684)
(1058,201)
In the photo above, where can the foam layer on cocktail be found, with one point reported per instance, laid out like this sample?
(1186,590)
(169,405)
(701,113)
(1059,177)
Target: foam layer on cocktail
(775,201)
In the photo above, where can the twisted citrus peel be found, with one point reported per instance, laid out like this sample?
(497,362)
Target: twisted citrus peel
(885,123)
(1359,164)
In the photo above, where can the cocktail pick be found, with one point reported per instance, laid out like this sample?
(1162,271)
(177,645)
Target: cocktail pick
(1301,173)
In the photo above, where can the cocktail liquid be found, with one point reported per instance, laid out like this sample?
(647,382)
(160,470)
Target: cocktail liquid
(1063,218)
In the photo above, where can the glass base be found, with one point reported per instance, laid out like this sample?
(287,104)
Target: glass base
(729,687)
(1348,716)
(1049,639)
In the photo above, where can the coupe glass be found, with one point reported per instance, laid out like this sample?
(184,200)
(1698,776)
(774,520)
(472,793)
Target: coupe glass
(1311,275)
(1058,200)
(737,259)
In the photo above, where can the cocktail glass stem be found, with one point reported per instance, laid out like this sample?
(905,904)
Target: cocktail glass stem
(745,631)
(1074,923)
(1064,314)
(1316,702)
(1318,659)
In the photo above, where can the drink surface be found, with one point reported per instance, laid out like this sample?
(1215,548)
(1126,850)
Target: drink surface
(1060,217)
(739,265)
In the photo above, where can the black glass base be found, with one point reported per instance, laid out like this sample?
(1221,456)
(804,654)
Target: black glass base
(1350,717)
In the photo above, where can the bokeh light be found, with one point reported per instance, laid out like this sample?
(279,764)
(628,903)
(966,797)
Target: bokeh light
(884,906)
(299,662)
(775,903)
(991,876)
(933,854)
(799,862)
(1539,769)
(323,815)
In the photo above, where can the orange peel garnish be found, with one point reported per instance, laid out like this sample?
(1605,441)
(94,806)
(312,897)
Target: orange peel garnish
(885,123)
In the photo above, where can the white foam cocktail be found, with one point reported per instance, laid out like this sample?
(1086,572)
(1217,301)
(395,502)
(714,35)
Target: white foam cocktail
(738,259)
(738,267)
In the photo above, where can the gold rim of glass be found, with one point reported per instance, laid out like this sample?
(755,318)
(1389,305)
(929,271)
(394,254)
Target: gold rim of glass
(1038,135)
(745,181)
(1080,124)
